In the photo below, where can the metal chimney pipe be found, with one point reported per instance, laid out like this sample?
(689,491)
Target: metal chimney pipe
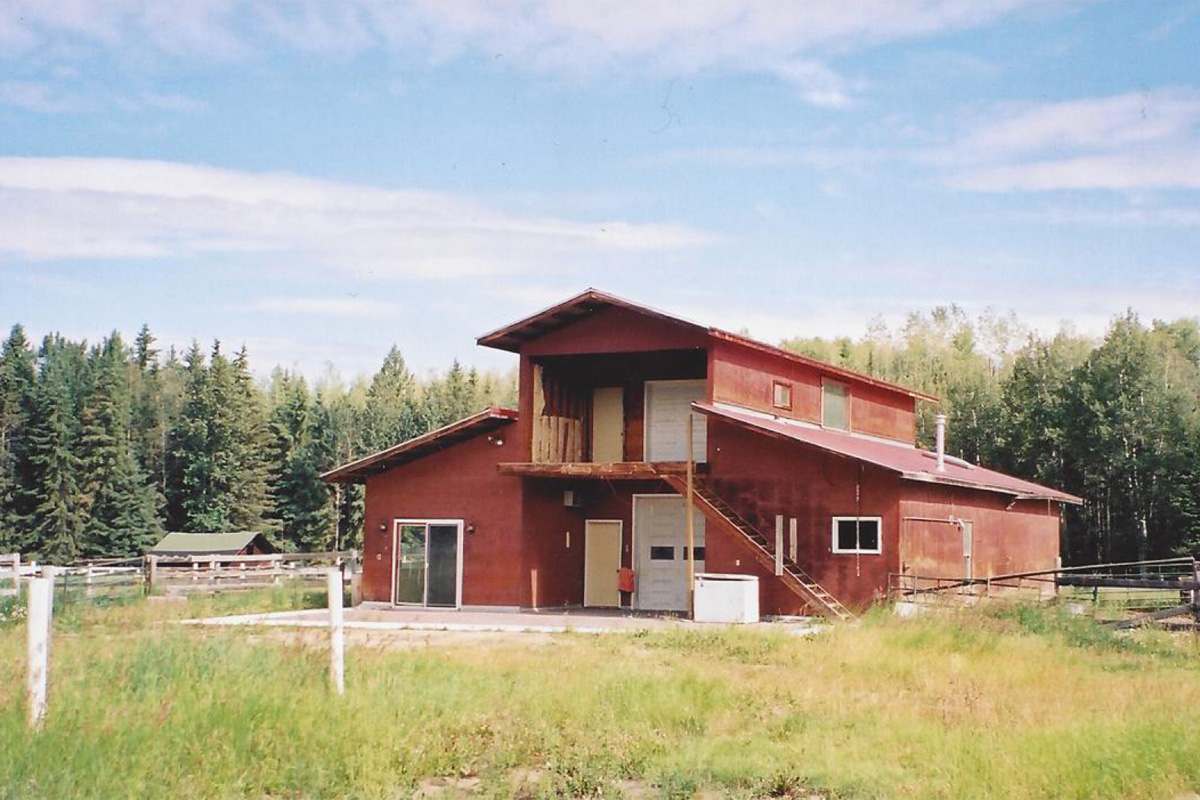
(939,423)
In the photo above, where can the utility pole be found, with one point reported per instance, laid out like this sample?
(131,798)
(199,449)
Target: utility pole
(689,511)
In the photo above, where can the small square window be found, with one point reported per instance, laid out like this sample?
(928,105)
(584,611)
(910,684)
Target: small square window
(781,395)
(661,553)
(857,535)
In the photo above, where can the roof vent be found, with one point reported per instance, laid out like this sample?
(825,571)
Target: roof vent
(939,423)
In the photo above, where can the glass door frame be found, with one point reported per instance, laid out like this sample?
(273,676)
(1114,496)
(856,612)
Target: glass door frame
(397,524)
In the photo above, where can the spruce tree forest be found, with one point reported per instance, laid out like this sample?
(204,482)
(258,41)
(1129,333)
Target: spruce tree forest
(105,446)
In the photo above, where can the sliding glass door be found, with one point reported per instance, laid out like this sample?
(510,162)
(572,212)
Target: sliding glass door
(427,568)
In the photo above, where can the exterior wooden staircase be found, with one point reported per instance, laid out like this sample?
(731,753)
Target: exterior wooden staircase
(762,547)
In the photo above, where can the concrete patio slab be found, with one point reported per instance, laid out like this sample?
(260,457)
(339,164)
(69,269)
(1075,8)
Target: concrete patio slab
(371,617)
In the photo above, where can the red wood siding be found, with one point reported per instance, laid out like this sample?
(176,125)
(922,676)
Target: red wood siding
(879,412)
(746,377)
(1024,538)
(616,330)
(761,477)
(460,482)
(553,571)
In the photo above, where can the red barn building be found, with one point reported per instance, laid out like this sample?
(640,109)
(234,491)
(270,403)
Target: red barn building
(563,501)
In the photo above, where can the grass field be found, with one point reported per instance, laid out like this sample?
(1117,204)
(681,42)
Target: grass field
(1012,702)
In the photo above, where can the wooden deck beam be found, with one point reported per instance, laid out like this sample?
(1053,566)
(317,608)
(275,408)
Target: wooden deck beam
(617,470)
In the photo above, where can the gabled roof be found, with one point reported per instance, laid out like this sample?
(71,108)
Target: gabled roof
(202,544)
(358,471)
(512,337)
(910,463)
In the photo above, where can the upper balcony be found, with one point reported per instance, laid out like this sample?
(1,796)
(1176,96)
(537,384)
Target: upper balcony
(614,415)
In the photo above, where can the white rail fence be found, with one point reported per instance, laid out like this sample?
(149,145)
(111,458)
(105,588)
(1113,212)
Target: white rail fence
(331,570)
(102,579)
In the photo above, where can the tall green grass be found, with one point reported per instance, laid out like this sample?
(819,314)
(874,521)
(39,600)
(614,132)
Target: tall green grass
(1009,703)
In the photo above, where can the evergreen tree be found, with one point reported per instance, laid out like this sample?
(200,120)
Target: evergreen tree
(300,452)
(391,414)
(454,397)
(17,375)
(247,485)
(58,504)
(122,508)
(193,491)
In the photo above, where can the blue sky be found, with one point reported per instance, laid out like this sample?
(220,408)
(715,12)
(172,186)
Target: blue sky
(319,180)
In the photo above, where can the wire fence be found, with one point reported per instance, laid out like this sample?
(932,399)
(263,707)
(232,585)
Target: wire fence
(1151,587)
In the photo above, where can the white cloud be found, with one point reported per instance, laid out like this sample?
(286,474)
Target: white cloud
(1136,140)
(1158,170)
(61,208)
(579,38)
(1104,123)
(40,97)
(1162,216)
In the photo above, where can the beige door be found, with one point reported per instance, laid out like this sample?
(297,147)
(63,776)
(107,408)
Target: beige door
(601,561)
(608,424)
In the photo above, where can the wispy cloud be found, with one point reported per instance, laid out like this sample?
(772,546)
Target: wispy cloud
(1173,168)
(84,208)
(41,97)
(1135,140)
(51,97)
(558,37)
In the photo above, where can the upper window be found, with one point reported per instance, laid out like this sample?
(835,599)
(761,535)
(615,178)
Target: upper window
(835,405)
(857,535)
(781,395)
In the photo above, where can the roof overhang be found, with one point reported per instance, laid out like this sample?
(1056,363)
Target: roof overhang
(178,543)
(358,471)
(513,337)
(906,461)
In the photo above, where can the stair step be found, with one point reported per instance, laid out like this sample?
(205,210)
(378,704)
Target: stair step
(816,594)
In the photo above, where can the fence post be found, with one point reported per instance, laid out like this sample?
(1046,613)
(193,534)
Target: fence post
(41,603)
(151,572)
(17,573)
(87,581)
(779,544)
(1196,593)
(333,580)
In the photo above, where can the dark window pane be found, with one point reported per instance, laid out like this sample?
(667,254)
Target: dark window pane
(858,535)
(868,535)
(845,535)
(698,553)
(662,553)
(443,565)
(410,574)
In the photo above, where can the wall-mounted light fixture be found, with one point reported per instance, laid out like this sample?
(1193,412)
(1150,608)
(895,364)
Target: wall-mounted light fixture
(383,525)
(496,439)
(470,527)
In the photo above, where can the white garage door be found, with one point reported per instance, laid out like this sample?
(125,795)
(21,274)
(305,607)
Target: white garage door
(668,404)
(660,530)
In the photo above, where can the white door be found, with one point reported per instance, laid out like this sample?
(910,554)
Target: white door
(668,404)
(660,531)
